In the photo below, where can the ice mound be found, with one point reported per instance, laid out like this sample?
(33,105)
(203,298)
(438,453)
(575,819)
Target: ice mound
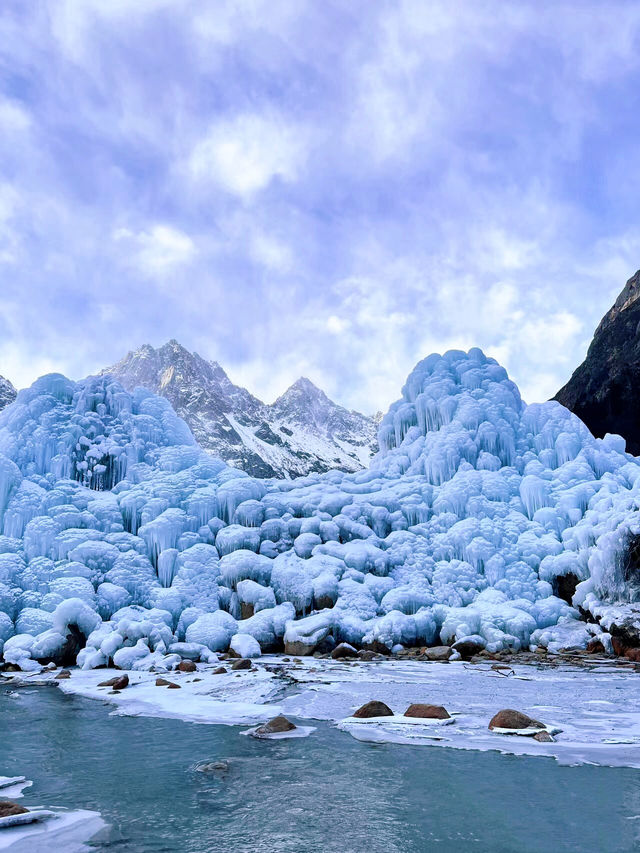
(122,542)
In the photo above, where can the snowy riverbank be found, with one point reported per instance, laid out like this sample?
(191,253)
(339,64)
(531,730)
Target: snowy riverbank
(597,708)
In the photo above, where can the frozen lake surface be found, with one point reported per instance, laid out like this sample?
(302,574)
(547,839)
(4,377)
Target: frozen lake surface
(328,791)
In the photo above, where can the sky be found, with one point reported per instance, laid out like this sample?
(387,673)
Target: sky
(331,189)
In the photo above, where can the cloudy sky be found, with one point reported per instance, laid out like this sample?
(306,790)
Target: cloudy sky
(334,189)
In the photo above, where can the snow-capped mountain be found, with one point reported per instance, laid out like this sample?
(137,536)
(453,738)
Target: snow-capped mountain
(303,431)
(7,392)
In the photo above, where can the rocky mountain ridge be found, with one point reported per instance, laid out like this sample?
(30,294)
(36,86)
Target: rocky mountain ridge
(301,432)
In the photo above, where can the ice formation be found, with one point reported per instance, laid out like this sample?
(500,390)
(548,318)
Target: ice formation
(123,543)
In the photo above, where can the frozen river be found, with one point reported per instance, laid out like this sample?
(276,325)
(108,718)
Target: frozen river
(326,792)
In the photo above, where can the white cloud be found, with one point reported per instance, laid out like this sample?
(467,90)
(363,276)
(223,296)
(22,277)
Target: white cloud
(245,153)
(159,250)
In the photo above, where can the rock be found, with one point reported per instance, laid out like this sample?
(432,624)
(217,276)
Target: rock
(427,712)
(220,670)
(619,646)
(172,686)
(242,663)
(510,719)
(213,766)
(7,808)
(246,610)
(64,673)
(187,666)
(595,647)
(633,654)
(366,654)
(438,653)
(544,737)
(162,682)
(373,709)
(343,650)
(378,647)
(603,390)
(118,682)
(467,647)
(275,726)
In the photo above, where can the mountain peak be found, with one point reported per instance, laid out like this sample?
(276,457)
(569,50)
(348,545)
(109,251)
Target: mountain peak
(302,431)
(7,392)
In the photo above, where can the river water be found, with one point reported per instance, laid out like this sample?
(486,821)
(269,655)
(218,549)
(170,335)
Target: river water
(327,792)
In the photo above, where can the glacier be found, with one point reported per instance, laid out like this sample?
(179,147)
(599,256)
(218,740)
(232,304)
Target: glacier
(123,543)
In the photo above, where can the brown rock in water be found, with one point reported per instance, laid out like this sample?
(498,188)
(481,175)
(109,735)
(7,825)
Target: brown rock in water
(64,673)
(275,726)
(544,737)
(427,712)
(187,666)
(343,650)
(373,709)
(510,719)
(438,653)
(119,682)
(243,663)
(7,808)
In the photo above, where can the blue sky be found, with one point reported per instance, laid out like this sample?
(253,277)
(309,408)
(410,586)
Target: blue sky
(332,189)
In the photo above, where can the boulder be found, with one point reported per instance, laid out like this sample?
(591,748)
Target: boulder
(343,650)
(275,726)
(242,663)
(221,766)
(162,682)
(595,647)
(438,653)
(467,647)
(7,808)
(427,712)
(510,719)
(172,686)
(64,673)
(373,709)
(220,670)
(118,682)
(187,666)
(544,737)
(619,646)
(633,654)
(377,647)
(366,654)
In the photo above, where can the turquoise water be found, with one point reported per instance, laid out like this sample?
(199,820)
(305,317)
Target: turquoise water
(323,793)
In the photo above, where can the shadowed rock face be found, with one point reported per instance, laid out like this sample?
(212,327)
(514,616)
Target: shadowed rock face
(603,391)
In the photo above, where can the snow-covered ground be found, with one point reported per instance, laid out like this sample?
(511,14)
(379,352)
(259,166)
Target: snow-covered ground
(597,708)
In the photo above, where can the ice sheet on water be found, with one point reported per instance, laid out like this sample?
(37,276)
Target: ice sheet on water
(478,512)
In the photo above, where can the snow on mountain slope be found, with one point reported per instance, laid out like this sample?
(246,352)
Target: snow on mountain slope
(7,392)
(480,518)
(303,431)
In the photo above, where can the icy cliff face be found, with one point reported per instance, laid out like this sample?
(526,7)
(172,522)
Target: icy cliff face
(303,431)
(478,517)
(7,392)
